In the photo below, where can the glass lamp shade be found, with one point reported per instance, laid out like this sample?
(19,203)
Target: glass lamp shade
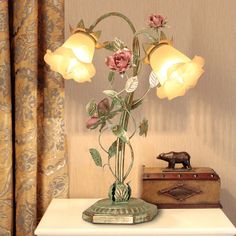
(176,72)
(73,60)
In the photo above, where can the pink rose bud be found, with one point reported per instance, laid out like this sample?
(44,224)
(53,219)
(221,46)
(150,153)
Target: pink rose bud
(92,121)
(104,105)
(120,61)
(156,21)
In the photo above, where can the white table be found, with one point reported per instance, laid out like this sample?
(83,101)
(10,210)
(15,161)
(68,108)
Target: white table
(63,217)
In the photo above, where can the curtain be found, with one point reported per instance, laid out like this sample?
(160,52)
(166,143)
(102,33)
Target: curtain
(33,160)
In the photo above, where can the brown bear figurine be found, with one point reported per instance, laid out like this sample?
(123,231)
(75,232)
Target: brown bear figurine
(176,157)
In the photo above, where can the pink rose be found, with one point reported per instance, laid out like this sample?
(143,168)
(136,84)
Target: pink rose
(104,105)
(92,121)
(120,60)
(156,21)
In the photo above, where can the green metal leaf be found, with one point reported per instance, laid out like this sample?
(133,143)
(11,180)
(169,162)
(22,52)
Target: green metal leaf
(91,108)
(117,101)
(114,45)
(96,156)
(120,133)
(110,93)
(143,128)
(112,149)
(110,46)
(111,76)
(119,44)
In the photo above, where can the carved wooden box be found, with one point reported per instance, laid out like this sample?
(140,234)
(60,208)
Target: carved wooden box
(197,188)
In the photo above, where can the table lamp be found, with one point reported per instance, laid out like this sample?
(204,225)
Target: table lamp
(172,74)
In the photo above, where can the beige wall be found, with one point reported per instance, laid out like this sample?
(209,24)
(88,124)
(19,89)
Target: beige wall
(202,122)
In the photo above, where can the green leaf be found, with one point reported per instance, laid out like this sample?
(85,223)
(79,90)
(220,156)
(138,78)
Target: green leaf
(110,93)
(112,149)
(136,104)
(120,133)
(91,108)
(114,45)
(117,101)
(96,156)
(119,44)
(143,128)
(111,76)
(110,46)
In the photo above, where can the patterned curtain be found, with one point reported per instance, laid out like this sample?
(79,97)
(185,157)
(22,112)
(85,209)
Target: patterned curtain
(33,161)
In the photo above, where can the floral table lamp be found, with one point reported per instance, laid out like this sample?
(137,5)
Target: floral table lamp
(172,75)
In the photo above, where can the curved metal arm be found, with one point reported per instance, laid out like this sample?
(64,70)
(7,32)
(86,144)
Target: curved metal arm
(136,48)
(109,163)
(131,164)
(102,17)
(99,141)
(142,97)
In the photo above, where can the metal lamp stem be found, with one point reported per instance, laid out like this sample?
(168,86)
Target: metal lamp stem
(124,119)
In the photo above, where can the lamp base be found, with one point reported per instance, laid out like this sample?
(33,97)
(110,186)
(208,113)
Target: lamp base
(132,212)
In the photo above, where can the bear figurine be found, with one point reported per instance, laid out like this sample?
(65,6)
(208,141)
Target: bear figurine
(176,157)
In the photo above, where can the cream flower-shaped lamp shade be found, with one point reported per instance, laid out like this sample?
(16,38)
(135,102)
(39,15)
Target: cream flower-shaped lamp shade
(73,60)
(176,72)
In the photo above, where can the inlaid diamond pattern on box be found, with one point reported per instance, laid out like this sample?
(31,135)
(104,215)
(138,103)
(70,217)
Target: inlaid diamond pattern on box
(180,192)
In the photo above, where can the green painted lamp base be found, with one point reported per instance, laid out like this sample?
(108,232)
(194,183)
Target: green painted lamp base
(132,212)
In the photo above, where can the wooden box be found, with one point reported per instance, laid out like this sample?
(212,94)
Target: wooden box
(198,188)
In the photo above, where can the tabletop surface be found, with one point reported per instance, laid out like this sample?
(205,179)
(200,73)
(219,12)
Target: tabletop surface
(64,217)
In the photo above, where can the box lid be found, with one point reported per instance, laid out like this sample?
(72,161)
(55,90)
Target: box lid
(197,173)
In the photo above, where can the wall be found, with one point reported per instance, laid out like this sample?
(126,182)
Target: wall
(202,122)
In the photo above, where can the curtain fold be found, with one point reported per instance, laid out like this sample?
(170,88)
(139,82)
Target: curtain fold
(33,156)
(6,161)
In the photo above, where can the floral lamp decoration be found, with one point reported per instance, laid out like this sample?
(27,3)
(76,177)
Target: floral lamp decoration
(156,21)
(120,61)
(172,74)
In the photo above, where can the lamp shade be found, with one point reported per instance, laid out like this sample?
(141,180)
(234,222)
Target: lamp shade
(176,72)
(73,60)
